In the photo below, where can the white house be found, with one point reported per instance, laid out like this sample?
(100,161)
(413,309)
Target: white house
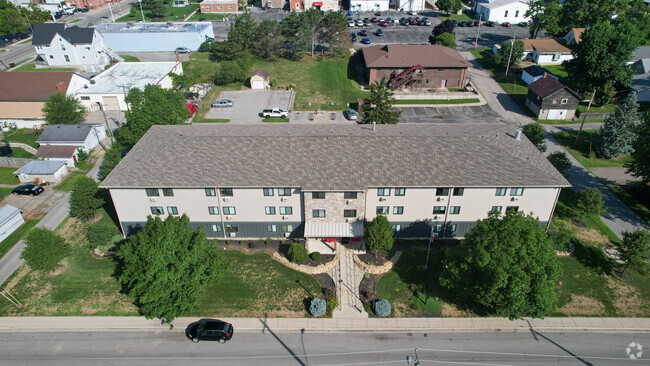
(42,171)
(533,73)
(501,11)
(57,45)
(543,51)
(369,5)
(10,219)
(82,136)
(109,88)
(65,153)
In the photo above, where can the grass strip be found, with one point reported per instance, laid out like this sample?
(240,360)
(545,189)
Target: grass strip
(437,101)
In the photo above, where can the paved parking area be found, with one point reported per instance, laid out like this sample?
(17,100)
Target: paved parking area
(460,114)
(248,104)
(35,207)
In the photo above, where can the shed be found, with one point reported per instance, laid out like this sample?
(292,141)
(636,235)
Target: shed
(67,154)
(533,73)
(10,219)
(46,171)
(260,79)
(550,99)
(83,136)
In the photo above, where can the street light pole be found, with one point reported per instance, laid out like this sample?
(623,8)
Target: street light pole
(110,9)
(480,17)
(141,11)
(512,45)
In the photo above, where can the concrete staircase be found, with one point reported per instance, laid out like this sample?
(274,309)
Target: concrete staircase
(347,277)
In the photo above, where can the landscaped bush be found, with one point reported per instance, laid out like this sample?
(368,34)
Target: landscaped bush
(267,241)
(427,304)
(100,233)
(332,300)
(44,249)
(561,241)
(315,256)
(241,242)
(382,308)
(317,307)
(297,253)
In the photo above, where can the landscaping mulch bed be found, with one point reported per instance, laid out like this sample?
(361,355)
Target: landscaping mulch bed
(369,257)
(324,280)
(254,246)
(325,258)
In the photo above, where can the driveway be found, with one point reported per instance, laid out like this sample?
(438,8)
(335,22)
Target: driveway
(248,104)
(461,114)
(35,207)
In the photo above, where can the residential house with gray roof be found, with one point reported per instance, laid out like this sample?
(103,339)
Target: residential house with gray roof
(325,182)
(81,136)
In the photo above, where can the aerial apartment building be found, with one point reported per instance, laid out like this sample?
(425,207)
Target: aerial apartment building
(324,183)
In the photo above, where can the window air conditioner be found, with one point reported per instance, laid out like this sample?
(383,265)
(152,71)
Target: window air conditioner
(286,235)
(152,199)
(440,199)
(228,217)
(283,199)
(435,217)
(347,220)
(285,217)
(513,199)
(226,199)
(382,199)
(232,235)
(348,202)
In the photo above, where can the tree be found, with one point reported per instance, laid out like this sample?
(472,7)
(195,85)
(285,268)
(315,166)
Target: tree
(158,9)
(447,40)
(298,253)
(312,18)
(63,108)
(634,250)
(601,58)
(445,27)
(449,6)
(379,234)
(164,266)
(133,12)
(639,166)
(507,266)
(617,135)
(589,202)
(44,249)
(544,14)
(267,39)
(583,14)
(561,162)
(84,202)
(112,157)
(378,107)
(11,21)
(334,31)
(536,134)
(296,35)
(153,106)
(230,72)
(34,14)
(503,55)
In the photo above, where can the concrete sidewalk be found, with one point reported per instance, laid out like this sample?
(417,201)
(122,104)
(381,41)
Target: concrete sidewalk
(279,325)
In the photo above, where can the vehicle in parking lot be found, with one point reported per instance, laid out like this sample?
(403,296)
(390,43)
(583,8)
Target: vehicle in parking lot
(182,50)
(353,37)
(379,33)
(275,113)
(359,22)
(201,19)
(378,14)
(351,114)
(506,24)
(455,23)
(469,23)
(383,24)
(477,23)
(83,10)
(222,103)
(350,24)
(374,20)
(427,21)
(365,41)
(363,32)
(462,23)
(490,23)
(389,21)
(413,21)
(27,190)
(523,24)
(211,330)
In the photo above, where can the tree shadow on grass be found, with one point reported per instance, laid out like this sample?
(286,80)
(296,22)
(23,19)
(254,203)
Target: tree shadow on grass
(108,206)
(592,257)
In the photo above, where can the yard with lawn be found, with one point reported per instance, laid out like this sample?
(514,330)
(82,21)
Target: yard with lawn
(437,101)
(583,149)
(15,237)
(32,67)
(7,175)
(25,135)
(208,16)
(19,152)
(636,197)
(129,58)
(172,14)
(4,192)
(456,17)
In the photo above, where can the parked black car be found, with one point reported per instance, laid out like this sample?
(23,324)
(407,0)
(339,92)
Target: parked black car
(353,37)
(462,23)
(363,32)
(490,24)
(28,190)
(211,330)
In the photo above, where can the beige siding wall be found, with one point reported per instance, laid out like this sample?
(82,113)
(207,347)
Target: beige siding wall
(21,109)
(334,205)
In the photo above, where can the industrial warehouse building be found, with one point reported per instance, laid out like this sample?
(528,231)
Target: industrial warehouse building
(154,37)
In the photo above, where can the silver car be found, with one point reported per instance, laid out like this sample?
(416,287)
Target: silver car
(351,114)
(222,103)
(182,50)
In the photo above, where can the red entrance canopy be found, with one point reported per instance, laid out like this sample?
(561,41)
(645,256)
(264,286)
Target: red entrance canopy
(330,240)
(318,3)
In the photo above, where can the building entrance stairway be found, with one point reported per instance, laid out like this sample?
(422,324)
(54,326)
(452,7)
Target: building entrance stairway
(347,277)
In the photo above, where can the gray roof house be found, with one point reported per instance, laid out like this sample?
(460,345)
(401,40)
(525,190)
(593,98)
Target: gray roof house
(42,171)
(84,136)
(640,64)
(10,219)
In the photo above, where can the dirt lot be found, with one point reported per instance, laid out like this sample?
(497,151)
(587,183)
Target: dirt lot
(248,104)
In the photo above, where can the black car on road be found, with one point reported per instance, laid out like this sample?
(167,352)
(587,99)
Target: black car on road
(210,330)
(28,190)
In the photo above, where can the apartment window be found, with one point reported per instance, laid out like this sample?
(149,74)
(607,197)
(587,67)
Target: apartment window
(210,192)
(229,6)
(152,192)
(442,192)
(213,210)
(454,210)
(349,213)
(232,228)
(318,195)
(168,192)
(218,6)
(226,192)
(458,191)
(516,191)
(382,210)
(268,191)
(216,227)
(400,191)
(506,14)
(85,98)
(556,56)
(350,195)
(62,47)
(512,209)
(398,210)
(516,13)
(157,210)
(397,227)
(496,209)
(437,228)
(441,69)
(286,228)
(383,191)
(564,101)
(271,228)
(431,81)
(439,209)
(207,7)
(286,210)
(452,229)
(284,191)
(229,210)
(318,213)
(501,191)
(172,210)
(67,59)
(270,210)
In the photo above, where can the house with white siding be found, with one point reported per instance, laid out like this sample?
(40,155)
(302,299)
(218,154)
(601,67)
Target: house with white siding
(501,11)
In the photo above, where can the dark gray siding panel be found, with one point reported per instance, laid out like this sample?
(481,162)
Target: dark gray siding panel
(246,229)
(422,229)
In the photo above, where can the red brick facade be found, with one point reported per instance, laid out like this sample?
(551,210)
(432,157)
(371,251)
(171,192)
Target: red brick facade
(428,78)
(218,6)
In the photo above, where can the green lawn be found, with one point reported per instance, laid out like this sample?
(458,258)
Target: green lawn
(15,237)
(209,16)
(581,149)
(437,101)
(129,58)
(19,152)
(25,41)
(7,176)
(4,192)
(275,120)
(634,197)
(173,14)
(456,17)
(607,108)
(67,184)
(32,67)
(557,70)
(25,136)
(210,120)
(75,20)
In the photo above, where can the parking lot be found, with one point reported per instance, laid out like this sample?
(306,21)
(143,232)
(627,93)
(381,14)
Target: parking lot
(248,104)
(36,207)
(461,114)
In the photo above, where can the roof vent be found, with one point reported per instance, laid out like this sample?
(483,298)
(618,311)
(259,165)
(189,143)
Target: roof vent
(92,82)
(518,134)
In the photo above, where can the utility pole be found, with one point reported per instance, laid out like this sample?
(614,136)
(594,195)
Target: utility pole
(141,11)
(512,45)
(478,29)
(585,116)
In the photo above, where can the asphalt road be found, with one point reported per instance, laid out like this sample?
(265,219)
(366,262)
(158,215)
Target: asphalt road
(172,348)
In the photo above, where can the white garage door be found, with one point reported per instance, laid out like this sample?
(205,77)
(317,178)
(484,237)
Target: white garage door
(556,113)
(258,84)
(110,104)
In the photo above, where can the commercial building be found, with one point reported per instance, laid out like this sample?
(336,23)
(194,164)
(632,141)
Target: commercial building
(410,5)
(369,5)
(154,37)
(325,182)
(324,5)
(502,11)
(218,6)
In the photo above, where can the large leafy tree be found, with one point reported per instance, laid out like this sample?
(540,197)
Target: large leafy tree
(589,202)
(617,135)
(584,14)
(151,106)
(84,199)
(44,249)
(561,162)
(296,35)
(379,234)
(536,134)
(312,24)
(601,58)
(164,266)
(378,107)
(544,14)
(503,54)
(447,40)
(267,39)
(507,266)
(449,6)
(634,250)
(34,14)
(639,166)
(334,31)
(444,27)
(112,157)
(62,108)
(11,20)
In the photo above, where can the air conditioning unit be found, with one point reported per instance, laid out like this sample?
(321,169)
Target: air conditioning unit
(285,217)
(286,235)
(226,199)
(440,199)
(232,235)
(152,199)
(382,199)
(283,199)
(348,220)
(513,199)
(228,217)
(348,202)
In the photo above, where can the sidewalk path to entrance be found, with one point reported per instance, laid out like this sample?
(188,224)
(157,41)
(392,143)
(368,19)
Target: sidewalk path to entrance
(347,278)
(327,325)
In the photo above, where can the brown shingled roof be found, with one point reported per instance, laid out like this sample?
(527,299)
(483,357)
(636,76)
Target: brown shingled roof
(547,86)
(545,45)
(32,86)
(577,34)
(55,151)
(261,72)
(407,55)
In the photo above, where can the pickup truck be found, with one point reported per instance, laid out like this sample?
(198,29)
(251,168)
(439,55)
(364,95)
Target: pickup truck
(275,113)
